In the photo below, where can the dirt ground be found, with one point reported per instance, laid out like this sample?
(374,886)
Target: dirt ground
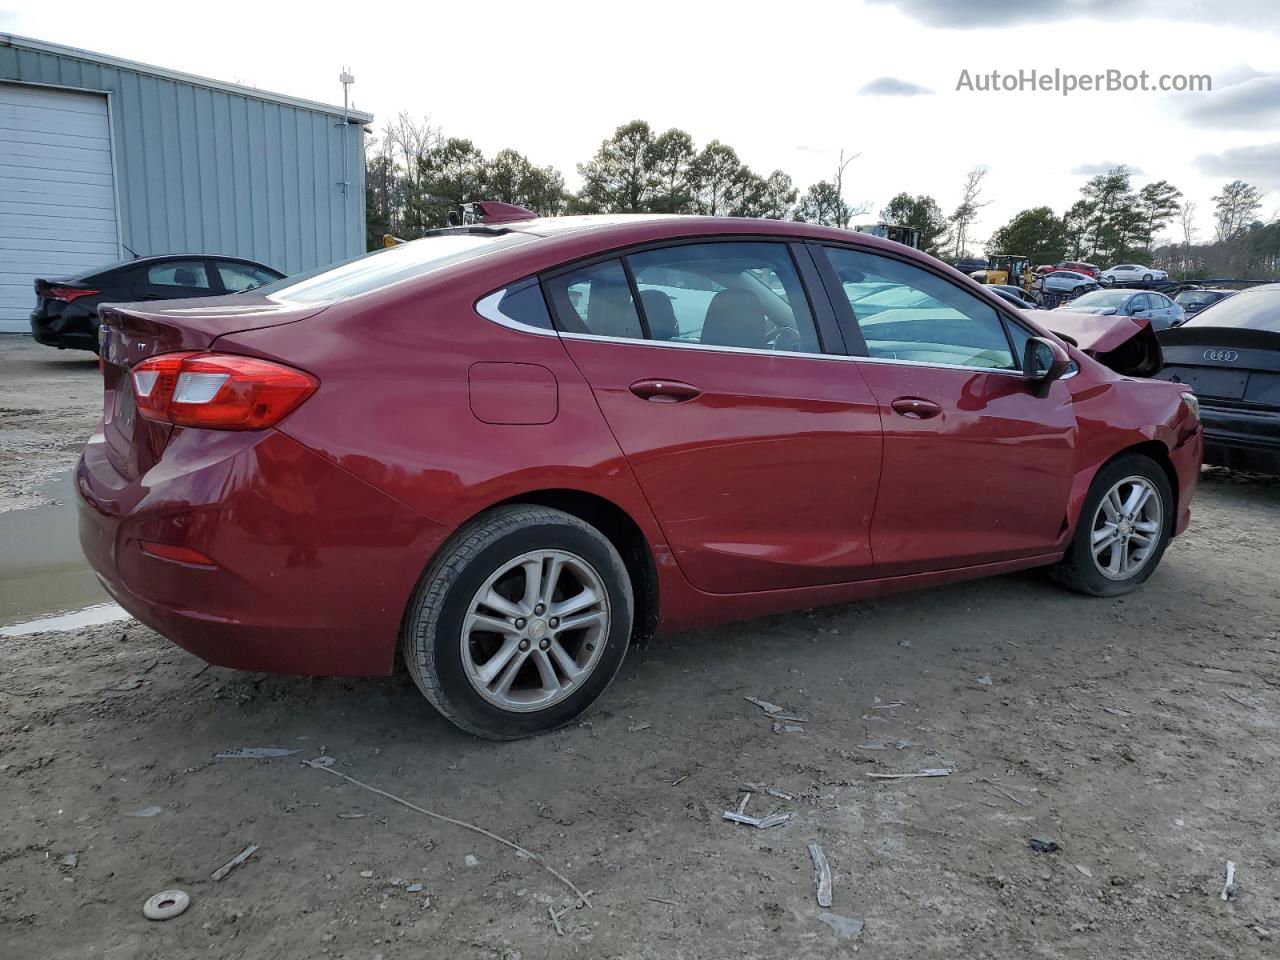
(1138,734)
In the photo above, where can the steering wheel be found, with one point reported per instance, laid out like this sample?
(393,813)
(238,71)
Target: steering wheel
(786,338)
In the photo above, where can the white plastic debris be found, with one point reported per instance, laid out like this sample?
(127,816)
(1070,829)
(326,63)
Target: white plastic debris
(821,873)
(254,753)
(166,905)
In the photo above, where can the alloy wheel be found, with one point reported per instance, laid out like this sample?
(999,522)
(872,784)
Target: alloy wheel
(1127,528)
(535,630)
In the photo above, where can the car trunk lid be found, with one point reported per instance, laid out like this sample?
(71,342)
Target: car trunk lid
(1234,364)
(130,333)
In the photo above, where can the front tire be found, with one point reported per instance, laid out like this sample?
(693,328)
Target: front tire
(1122,531)
(520,623)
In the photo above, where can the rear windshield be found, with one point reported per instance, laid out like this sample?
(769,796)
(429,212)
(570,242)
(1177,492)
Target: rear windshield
(1252,310)
(381,268)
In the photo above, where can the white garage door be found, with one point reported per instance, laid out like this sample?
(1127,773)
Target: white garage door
(57,197)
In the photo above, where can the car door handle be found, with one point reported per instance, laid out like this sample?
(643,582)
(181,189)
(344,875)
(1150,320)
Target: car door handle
(664,391)
(916,408)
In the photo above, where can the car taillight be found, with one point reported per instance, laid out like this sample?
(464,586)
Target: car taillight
(67,294)
(218,391)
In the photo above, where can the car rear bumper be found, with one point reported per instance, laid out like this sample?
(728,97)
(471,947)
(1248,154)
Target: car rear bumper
(65,332)
(1241,439)
(309,568)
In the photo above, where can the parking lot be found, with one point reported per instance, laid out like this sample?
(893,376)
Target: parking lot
(1139,734)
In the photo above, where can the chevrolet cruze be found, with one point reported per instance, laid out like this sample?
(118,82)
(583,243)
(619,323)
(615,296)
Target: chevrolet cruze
(504,451)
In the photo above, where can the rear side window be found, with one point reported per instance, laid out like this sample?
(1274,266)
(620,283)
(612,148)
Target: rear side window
(372,271)
(238,277)
(596,300)
(179,273)
(520,304)
(744,295)
(906,313)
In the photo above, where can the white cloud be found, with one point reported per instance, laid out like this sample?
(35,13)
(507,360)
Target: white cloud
(893,87)
(1103,166)
(1259,163)
(949,15)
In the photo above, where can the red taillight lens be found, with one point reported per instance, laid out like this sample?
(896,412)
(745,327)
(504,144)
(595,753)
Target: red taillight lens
(219,391)
(67,294)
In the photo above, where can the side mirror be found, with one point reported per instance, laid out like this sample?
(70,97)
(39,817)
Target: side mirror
(1043,362)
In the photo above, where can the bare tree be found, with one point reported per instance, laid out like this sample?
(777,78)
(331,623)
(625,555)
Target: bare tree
(967,212)
(1187,217)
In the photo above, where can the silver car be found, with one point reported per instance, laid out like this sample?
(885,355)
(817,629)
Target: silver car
(1155,307)
(1068,281)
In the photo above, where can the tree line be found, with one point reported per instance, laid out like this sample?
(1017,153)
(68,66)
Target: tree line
(1154,225)
(415,175)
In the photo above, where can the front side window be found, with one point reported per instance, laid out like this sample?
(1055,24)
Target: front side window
(906,313)
(732,294)
(179,273)
(595,300)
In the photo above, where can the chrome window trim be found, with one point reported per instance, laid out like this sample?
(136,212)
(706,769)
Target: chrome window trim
(487,307)
(627,341)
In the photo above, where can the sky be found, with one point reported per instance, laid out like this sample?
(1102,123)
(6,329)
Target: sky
(788,85)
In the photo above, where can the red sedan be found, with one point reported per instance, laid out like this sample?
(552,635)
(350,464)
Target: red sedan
(507,449)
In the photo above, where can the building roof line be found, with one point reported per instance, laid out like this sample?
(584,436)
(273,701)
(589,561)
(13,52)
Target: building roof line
(106,60)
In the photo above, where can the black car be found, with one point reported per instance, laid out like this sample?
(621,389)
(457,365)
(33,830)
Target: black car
(1230,356)
(66,313)
(1193,301)
(970,264)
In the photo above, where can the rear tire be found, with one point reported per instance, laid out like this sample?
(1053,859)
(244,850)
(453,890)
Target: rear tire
(1122,531)
(520,622)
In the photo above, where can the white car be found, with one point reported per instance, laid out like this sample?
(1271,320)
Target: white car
(1127,272)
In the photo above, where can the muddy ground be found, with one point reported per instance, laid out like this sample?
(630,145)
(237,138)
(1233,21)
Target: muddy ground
(1138,734)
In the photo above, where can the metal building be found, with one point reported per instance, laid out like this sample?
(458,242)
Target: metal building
(103,159)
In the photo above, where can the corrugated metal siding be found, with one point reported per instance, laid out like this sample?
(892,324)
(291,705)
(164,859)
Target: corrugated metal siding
(208,171)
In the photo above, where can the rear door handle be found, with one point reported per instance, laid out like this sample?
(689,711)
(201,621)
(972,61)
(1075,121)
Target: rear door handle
(915,408)
(664,391)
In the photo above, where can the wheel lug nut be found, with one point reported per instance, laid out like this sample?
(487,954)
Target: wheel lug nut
(539,609)
(544,644)
(554,622)
(524,644)
(519,623)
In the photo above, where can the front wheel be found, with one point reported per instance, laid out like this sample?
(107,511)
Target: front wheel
(520,623)
(1122,530)
(1146,277)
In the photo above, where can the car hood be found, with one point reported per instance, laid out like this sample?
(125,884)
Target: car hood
(1095,333)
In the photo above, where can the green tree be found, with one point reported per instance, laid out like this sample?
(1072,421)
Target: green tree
(620,177)
(923,213)
(1115,217)
(1075,227)
(1036,233)
(823,204)
(671,161)
(718,177)
(1235,208)
(512,178)
(1159,204)
(772,197)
